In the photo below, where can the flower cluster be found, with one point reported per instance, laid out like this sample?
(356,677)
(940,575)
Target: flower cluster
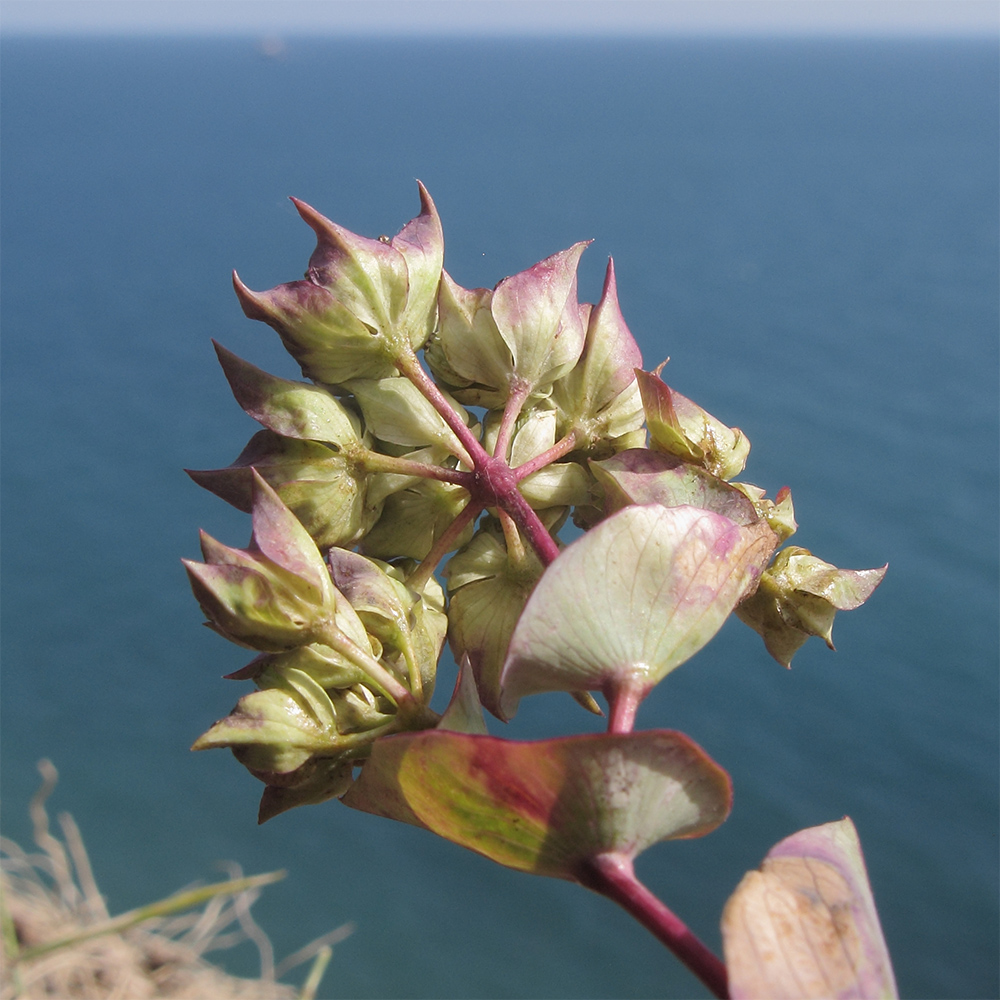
(526,408)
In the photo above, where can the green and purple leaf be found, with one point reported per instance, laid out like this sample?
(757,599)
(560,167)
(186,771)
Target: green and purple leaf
(641,476)
(546,807)
(631,600)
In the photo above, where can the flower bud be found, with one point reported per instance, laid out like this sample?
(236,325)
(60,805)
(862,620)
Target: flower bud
(396,412)
(799,595)
(318,780)
(364,302)
(406,623)
(680,427)
(414,518)
(328,668)
(599,398)
(274,730)
(467,353)
(539,319)
(327,491)
(272,595)
(488,592)
(531,335)
(292,409)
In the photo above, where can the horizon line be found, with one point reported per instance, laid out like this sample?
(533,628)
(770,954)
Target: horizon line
(505,18)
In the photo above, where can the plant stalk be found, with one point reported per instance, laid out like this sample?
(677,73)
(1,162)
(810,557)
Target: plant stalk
(408,365)
(373,461)
(613,876)
(562,447)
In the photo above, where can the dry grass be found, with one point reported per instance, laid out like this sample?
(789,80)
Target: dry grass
(50,896)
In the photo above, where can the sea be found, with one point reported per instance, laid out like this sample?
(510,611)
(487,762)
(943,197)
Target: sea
(807,229)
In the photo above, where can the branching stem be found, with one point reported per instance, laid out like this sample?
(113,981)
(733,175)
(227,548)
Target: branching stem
(443,546)
(373,461)
(612,875)
(519,392)
(562,447)
(408,365)
(492,483)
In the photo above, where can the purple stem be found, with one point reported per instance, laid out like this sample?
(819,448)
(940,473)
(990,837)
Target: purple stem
(374,461)
(518,394)
(613,876)
(493,483)
(562,447)
(409,365)
(443,546)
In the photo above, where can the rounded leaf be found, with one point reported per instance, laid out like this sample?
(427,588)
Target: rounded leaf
(631,600)
(546,807)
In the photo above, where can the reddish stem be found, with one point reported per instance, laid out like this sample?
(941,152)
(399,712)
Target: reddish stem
(515,401)
(509,497)
(613,876)
(409,365)
(443,545)
(562,447)
(493,483)
(623,703)
(374,461)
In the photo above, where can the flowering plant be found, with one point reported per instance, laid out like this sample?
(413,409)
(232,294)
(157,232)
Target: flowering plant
(526,410)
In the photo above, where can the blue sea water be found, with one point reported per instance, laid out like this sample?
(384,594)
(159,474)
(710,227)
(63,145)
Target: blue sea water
(807,229)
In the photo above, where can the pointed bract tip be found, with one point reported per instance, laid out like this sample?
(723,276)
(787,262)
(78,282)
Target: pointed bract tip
(227,359)
(316,221)
(610,282)
(250,302)
(427,205)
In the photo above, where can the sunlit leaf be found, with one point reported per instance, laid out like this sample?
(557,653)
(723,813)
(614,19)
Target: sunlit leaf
(805,925)
(631,600)
(546,807)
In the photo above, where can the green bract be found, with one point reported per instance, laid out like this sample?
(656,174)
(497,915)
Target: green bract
(799,595)
(364,303)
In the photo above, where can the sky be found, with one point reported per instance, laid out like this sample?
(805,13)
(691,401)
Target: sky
(503,17)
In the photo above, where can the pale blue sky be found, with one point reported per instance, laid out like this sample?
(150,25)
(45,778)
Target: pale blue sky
(503,17)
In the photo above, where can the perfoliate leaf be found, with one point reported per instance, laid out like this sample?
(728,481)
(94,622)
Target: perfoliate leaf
(546,807)
(631,600)
(805,927)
